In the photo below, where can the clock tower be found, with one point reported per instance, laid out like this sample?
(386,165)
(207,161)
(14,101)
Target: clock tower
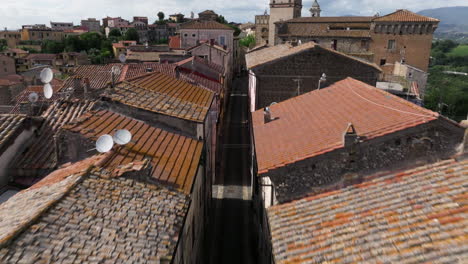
(281,10)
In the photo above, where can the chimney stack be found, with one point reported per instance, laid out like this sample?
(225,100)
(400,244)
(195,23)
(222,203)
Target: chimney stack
(212,42)
(177,72)
(267,115)
(464,147)
(350,136)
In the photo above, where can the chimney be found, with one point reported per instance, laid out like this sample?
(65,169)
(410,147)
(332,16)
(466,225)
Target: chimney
(87,86)
(350,136)
(177,72)
(267,115)
(149,69)
(464,147)
(77,83)
(212,42)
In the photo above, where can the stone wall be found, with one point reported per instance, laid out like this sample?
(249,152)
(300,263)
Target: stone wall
(7,66)
(275,80)
(414,49)
(337,169)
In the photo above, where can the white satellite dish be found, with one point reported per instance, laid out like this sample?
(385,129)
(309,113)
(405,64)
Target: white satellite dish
(33,97)
(122,137)
(46,75)
(122,58)
(104,143)
(115,70)
(48,92)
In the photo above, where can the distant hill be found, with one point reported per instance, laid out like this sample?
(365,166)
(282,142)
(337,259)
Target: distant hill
(454,22)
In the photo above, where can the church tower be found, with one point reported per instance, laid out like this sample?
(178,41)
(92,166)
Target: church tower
(315,10)
(281,10)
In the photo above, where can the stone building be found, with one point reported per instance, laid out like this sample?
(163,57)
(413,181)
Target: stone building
(208,15)
(194,32)
(262,28)
(10,87)
(338,134)
(212,53)
(40,32)
(61,25)
(92,24)
(12,37)
(282,10)
(401,36)
(281,72)
(7,65)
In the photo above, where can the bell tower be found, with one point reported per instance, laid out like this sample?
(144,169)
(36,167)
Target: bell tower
(315,10)
(281,10)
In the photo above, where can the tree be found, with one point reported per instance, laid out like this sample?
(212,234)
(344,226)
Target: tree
(3,44)
(248,41)
(51,46)
(161,16)
(221,20)
(115,33)
(91,40)
(131,34)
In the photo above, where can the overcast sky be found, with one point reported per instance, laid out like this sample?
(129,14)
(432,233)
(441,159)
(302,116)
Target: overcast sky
(14,13)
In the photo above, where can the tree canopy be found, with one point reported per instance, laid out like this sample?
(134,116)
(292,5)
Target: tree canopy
(161,16)
(131,34)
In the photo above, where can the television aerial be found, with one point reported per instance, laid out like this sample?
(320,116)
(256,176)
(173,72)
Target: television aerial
(46,75)
(104,143)
(122,137)
(48,91)
(33,97)
(122,58)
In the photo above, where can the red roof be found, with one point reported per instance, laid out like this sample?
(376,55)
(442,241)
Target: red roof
(414,216)
(313,123)
(404,15)
(174,42)
(211,65)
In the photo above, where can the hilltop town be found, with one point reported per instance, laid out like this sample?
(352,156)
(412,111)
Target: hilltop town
(192,139)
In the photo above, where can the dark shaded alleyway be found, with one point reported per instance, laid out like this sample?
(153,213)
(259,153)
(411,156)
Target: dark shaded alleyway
(231,234)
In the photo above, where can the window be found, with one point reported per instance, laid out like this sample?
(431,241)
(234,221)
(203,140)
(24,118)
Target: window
(383,61)
(334,44)
(363,44)
(222,40)
(193,35)
(185,35)
(391,44)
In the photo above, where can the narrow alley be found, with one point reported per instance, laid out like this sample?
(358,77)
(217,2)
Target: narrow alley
(231,235)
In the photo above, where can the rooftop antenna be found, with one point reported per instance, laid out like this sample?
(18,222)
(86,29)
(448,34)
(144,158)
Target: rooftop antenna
(323,78)
(299,82)
(122,137)
(104,143)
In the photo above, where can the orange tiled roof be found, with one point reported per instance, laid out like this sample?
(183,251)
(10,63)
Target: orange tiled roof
(198,24)
(315,121)
(99,75)
(355,19)
(41,153)
(164,94)
(9,126)
(415,216)
(404,15)
(133,70)
(211,65)
(174,158)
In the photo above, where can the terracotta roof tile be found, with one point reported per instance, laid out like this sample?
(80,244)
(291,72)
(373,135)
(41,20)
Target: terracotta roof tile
(323,30)
(9,126)
(323,115)
(40,155)
(355,19)
(41,56)
(218,68)
(164,94)
(262,56)
(417,216)
(404,15)
(99,76)
(174,158)
(197,24)
(72,206)
(23,97)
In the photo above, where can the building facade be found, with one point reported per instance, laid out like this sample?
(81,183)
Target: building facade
(92,24)
(284,71)
(281,10)
(61,25)
(7,65)
(194,32)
